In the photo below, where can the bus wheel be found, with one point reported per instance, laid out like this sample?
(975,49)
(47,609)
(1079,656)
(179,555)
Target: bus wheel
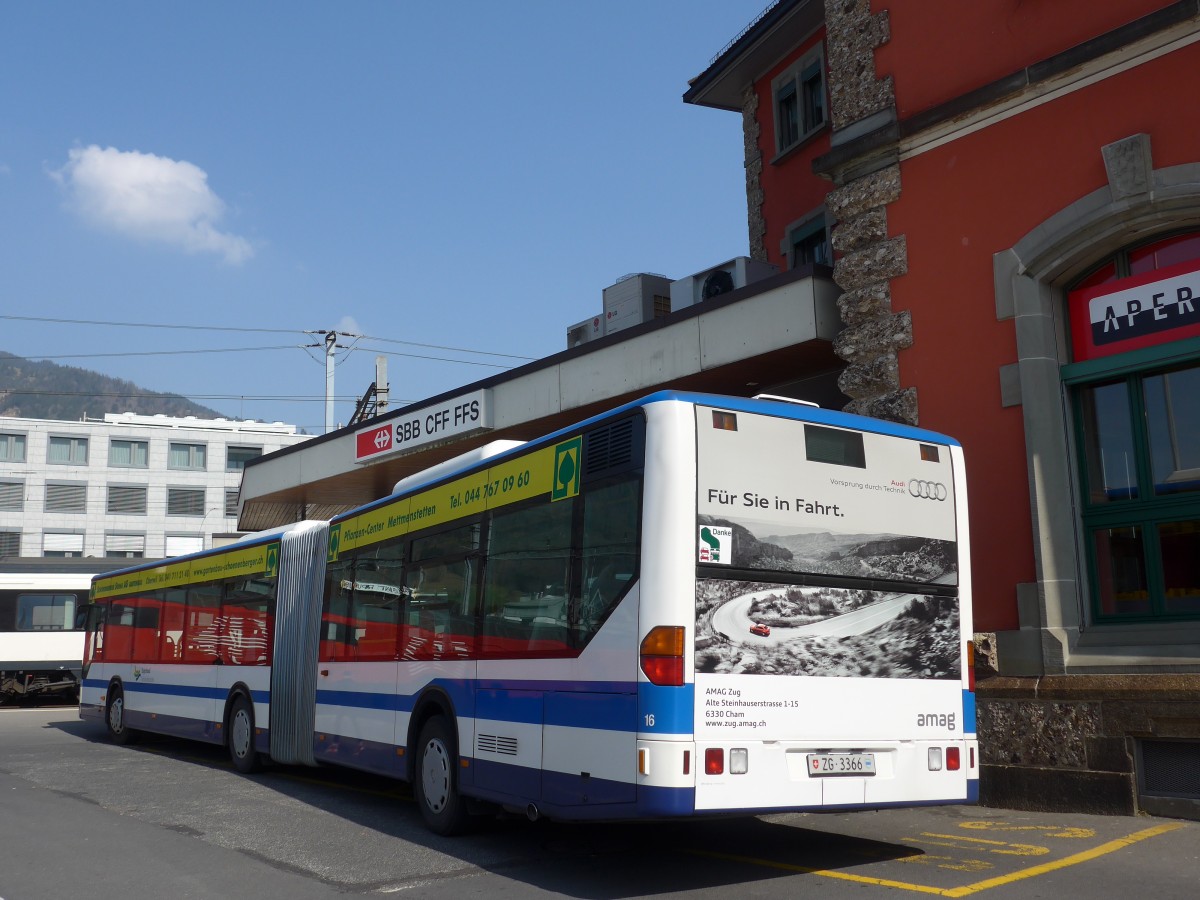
(114,717)
(436,787)
(241,736)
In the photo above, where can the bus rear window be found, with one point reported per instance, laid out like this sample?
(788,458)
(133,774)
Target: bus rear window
(830,445)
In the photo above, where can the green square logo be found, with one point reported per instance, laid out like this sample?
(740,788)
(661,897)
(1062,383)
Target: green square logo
(272,560)
(335,542)
(567,457)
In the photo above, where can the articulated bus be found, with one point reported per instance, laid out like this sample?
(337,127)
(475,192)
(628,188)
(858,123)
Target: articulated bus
(41,630)
(691,605)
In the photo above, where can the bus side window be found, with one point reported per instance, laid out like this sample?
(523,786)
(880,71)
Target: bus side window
(525,587)
(610,553)
(93,648)
(336,639)
(200,627)
(171,625)
(442,583)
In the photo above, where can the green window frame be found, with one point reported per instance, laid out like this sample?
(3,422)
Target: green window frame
(1137,429)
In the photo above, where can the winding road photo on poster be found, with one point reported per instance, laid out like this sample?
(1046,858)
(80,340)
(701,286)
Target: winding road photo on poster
(764,627)
(760,628)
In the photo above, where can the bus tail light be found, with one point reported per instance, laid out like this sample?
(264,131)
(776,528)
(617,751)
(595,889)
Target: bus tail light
(952,759)
(662,655)
(714,761)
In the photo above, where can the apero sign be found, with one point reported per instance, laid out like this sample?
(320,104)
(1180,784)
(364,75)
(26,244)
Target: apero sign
(434,424)
(1132,313)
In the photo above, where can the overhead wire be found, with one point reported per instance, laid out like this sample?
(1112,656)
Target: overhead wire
(248,330)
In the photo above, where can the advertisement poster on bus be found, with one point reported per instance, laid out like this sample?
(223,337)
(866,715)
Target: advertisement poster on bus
(778,500)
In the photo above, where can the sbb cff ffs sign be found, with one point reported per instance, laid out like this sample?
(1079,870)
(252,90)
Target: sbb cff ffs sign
(435,424)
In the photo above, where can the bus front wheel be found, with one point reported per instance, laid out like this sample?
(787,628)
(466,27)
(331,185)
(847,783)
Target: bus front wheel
(436,783)
(241,736)
(114,717)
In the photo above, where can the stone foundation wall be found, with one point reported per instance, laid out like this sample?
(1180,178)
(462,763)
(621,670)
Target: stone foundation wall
(1068,743)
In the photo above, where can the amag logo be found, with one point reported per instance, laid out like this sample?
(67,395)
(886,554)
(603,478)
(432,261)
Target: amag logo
(567,458)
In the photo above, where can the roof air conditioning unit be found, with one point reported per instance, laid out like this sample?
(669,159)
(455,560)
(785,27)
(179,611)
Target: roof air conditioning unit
(722,279)
(635,299)
(587,330)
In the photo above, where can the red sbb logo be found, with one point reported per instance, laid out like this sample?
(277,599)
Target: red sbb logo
(377,440)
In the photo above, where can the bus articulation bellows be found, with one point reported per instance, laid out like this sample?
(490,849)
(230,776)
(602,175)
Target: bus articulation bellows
(690,605)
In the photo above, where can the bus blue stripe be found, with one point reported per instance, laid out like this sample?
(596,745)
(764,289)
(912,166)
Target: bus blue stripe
(666,710)
(968,726)
(175,690)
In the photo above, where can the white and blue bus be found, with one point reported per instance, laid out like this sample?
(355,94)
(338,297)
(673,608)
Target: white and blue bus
(690,605)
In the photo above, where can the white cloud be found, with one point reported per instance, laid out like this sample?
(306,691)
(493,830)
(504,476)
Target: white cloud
(151,198)
(349,325)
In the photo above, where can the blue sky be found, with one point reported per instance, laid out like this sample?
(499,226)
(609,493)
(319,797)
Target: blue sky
(466,175)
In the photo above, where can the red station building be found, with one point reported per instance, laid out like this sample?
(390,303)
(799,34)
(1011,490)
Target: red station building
(1009,195)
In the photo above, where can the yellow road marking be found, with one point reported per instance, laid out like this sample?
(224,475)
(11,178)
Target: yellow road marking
(965,890)
(1058,831)
(1072,860)
(958,841)
(948,862)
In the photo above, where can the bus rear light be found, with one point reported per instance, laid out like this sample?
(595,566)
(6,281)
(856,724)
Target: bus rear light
(972,757)
(739,761)
(687,762)
(664,670)
(714,761)
(935,759)
(643,761)
(952,759)
(662,655)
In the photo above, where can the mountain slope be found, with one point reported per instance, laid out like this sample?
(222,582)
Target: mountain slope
(45,390)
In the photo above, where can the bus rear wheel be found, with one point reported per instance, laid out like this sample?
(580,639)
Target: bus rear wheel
(114,717)
(436,782)
(241,736)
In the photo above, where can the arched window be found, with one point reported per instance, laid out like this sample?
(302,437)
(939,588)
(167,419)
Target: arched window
(1135,385)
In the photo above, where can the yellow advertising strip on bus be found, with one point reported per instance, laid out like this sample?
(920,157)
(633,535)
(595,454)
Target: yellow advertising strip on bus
(531,475)
(261,559)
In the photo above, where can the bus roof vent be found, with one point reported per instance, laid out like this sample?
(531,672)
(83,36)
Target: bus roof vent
(613,448)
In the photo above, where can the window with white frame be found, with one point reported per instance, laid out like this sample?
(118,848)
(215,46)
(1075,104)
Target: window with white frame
(126,499)
(799,102)
(66,497)
(185,501)
(182,544)
(12,447)
(237,457)
(10,542)
(62,544)
(124,545)
(12,496)
(71,451)
(186,456)
(127,454)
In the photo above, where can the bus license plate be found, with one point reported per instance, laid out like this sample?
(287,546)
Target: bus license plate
(829,764)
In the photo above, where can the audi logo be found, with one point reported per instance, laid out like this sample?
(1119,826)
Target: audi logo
(927,490)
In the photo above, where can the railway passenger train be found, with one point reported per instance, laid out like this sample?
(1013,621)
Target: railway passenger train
(41,633)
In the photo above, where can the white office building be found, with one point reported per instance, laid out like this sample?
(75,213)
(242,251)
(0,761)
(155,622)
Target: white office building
(125,486)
